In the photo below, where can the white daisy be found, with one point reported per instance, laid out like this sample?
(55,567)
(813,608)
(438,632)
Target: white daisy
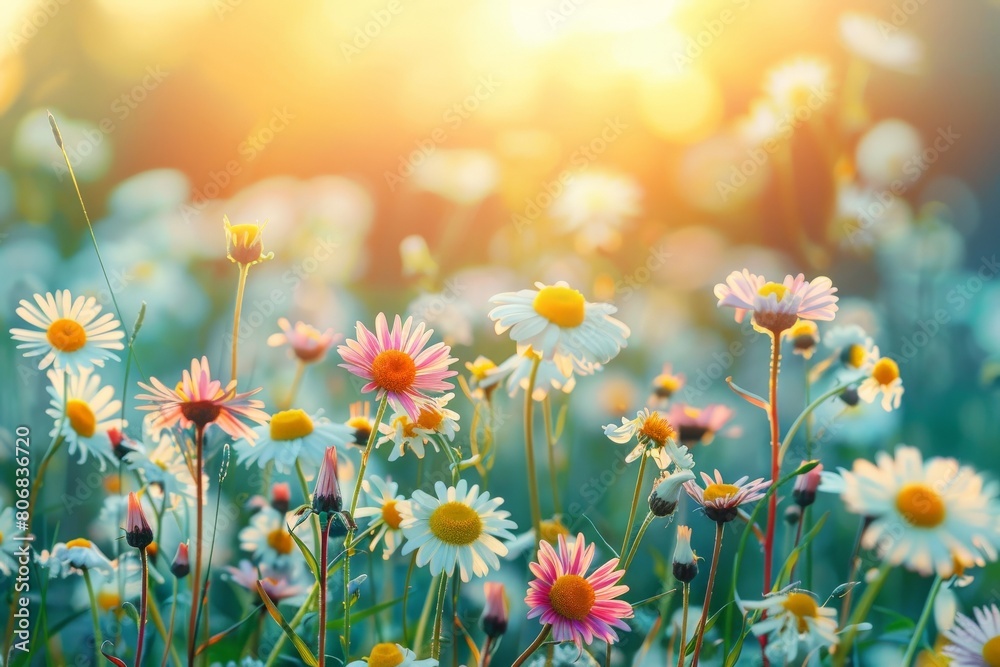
(268,540)
(71,333)
(458,526)
(123,583)
(881,43)
(795,626)
(557,320)
(798,83)
(385,507)
(163,467)
(553,374)
(78,555)
(88,409)
(594,206)
(392,655)
(655,436)
(290,436)
(883,378)
(975,642)
(928,516)
(434,422)
(850,344)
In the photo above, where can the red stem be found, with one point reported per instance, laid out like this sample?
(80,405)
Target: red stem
(324,555)
(142,607)
(772,506)
(196,575)
(708,597)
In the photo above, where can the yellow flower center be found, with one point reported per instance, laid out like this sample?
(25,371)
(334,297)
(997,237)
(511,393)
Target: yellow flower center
(159,463)
(280,540)
(572,597)
(855,356)
(667,383)
(802,328)
(991,652)
(720,491)
(777,289)
(394,370)
(112,484)
(245,243)
(1,538)
(290,424)
(429,419)
(391,515)
(657,429)
(802,606)
(66,335)
(108,600)
(563,306)
(79,542)
(552,529)
(385,655)
(920,505)
(456,523)
(886,371)
(81,417)
(360,423)
(480,368)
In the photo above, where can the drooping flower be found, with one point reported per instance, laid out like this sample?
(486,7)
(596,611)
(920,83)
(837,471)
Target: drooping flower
(397,364)
(557,320)
(883,378)
(975,642)
(72,334)
(685,563)
(654,437)
(580,608)
(496,613)
(292,435)
(138,533)
(458,526)
(89,411)
(698,426)
(200,400)
(667,492)
(777,306)
(722,501)
(392,655)
(435,423)
(385,508)
(795,625)
(925,515)
(305,342)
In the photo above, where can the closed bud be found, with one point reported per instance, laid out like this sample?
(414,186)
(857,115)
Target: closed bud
(244,244)
(685,562)
(667,492)
(497,610)
(326,493)
(793,514)
(850,396)
(181,565)
(806,484)
(281,497)
(138,534)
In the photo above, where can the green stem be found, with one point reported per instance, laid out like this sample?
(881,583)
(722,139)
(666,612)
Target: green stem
(635,502)
(425,614)
(708,594)
(551,444)
(638,538)
(438,614)
(807,511)
(240,288)
(918,632)
(793,429)
(534,646)
(529,450)
(860,613)
(98,639)
(686,594)
(313,520)
(169,636)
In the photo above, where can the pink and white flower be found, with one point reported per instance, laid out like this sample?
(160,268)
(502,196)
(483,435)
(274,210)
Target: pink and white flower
(777,306)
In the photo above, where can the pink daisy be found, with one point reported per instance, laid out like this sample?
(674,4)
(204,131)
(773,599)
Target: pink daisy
(397,364)
(579,608)
(698,425)
(722,501)
(306,342)
(777,306)
(200,400)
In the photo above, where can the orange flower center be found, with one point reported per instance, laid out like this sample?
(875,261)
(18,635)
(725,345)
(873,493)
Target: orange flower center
(66,335)
(886,371)
(290,425)
(456,523)
(385,655)
(572,597)
(429,419)
(777,289)
(81,417)
(391,515)
(720,491)
(657,429)
(280,540)
(563,306)
(920,505)
(991,652)
(108,600)
(552,529)
(79,542)
(394,370)
(802,606)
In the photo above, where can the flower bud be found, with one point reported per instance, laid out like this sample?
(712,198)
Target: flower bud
(850,396)
(153,550)
(244,244)
(119,443)
(497,610)
(181,565)
(281,497)
(793,515)
(804,336)
(667,491)
(685,562)
(806,484)
(138,534)
(326,493)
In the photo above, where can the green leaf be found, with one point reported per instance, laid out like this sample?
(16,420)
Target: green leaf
(297,642)
(132,612)
(338,623)
(310,559)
